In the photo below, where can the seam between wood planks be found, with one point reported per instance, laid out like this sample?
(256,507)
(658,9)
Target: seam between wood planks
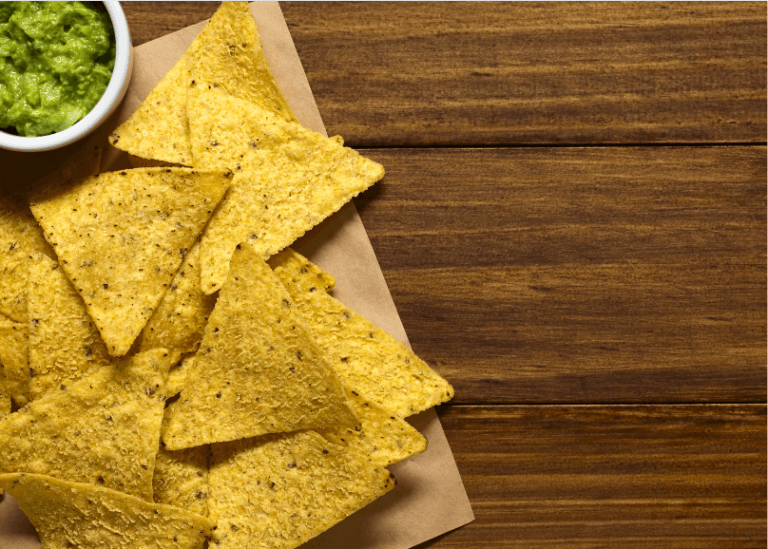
(560,145)
(601,404)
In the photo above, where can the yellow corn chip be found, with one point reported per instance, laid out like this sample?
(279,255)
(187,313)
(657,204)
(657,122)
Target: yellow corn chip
(181,477)
(103,429)
(18,391)
(5,401)
(69,514)
(14,349)
(180,318)
(300,274)
(5,396)
(368,360)
(158,129)
(64,344)
(20,238)
(256,372)
(227,54)
(288,179)
(384,438)
(121,236)
(279,491)
(177,377)
(14,356)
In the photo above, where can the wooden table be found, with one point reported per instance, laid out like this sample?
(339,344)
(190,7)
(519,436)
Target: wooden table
(573,227)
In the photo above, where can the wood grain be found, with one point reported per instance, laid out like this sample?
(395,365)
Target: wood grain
(150,20)
(610,476)
(561,275)
(394,74)
(623,274)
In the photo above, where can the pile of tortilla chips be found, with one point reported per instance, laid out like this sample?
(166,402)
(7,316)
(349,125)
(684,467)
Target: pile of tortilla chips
(177,372)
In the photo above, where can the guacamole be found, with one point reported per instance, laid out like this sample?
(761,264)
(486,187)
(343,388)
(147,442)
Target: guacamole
(56,59)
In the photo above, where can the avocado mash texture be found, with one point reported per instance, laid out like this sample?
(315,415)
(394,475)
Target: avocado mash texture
(56,59)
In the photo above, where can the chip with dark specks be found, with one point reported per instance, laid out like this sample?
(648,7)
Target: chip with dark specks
(297,484)
(368,360)
(105,426)
(122,261)
(257,371)
(99,518)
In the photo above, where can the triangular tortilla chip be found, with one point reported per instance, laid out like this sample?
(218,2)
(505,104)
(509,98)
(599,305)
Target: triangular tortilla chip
(158,129)
(14,348)
(384,438)
(256,372)
(280,491)
(182,314)
(299,274)
(368,360)
(287,178)
(228,56)
(103,429)
(64,344)
(69,514)
(227,53)
(181,477)
(20,239)
(121,236)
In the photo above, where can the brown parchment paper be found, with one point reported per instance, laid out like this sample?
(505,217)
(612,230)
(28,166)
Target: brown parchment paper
(429,498)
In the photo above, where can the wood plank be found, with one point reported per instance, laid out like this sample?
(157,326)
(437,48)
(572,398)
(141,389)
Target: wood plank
(393,74)
(434,73)
(646,477)
(150,20)
(579,275)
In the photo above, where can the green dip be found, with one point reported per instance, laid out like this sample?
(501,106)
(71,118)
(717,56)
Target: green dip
(56,59)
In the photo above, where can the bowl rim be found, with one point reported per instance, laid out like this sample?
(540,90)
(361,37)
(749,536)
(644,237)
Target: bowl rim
(105,106)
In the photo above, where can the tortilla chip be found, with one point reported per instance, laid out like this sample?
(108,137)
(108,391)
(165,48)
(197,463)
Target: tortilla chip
(20,238)
(300,274)
(64,344)
(181,477)
(227,54)
(5,397)
(287,178)
(14,356)
(69,514)
(228,57)
(384,438)
(14,349)
(256,372)
(182,314)
(177,377)
(158,129)
(5,401)
(368,360)
(279,491)
(103,429)
(121,237)
(19,392)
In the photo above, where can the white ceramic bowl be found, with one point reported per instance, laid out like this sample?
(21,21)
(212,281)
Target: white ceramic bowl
(118,84)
